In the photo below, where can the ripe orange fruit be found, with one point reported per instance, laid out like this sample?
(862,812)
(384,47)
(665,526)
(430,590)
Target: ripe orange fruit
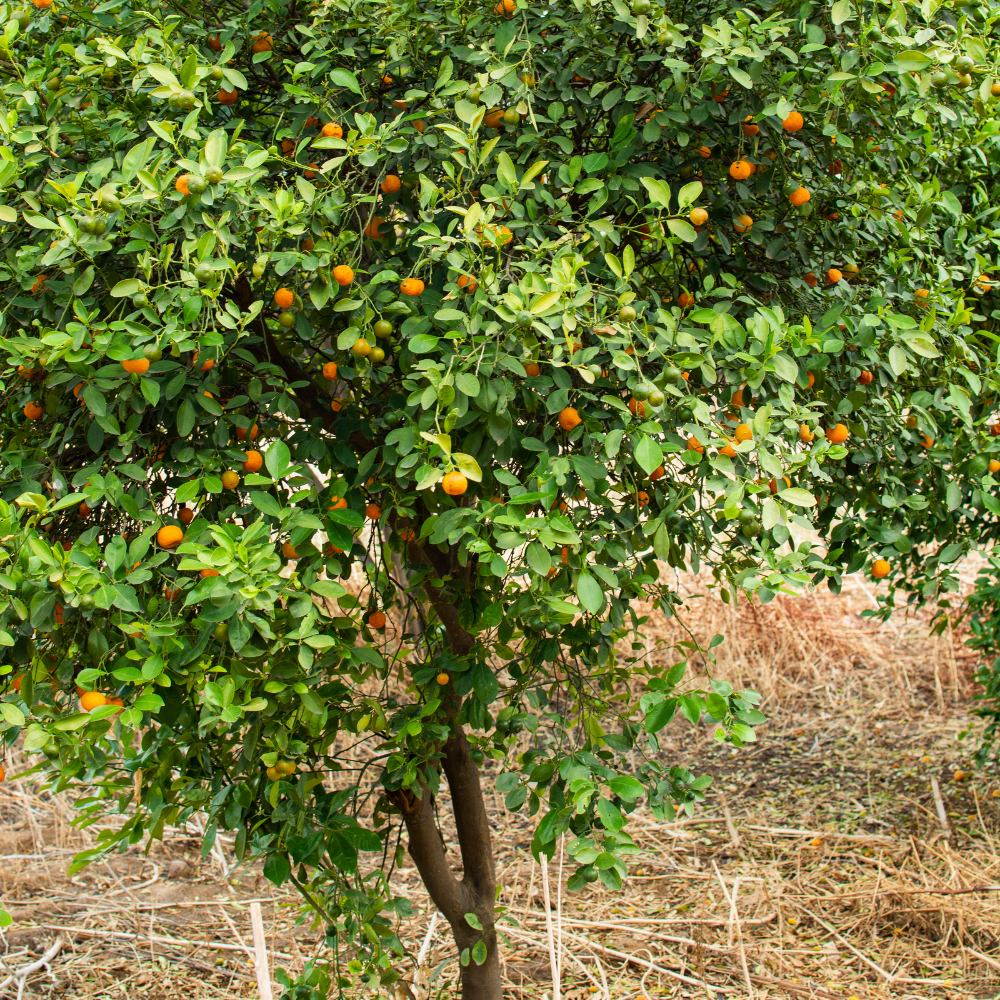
(230,479)
(811,380)
(748,128)
(373,511)
(85,509)
(411,287)
(921,295)
(207,366)
(799,196)
(773,484)
(642,498)
(284,298)
(728,450)
(227,97)
(343,275)
(793,122)
(743,223)
(880,568)
(569,418)
(136,365)
(254,461)
(241,433)
(333,131)
(636,408)
(698,216)
(206,573)
(811,280)
(215,43)
(288,551)
(391,184)
(926,441)
(494,118)
(467,282)
(532,370)
(685,300)
(377,619)
(695,445)
(330,370)
(32,410)
(657,473)
(181,184)
(185,515)
(90,700)
(454,483)
(442,679)
(837,434)
(740,170)
(833,276)
(805,434)
(372,230)
(865,378)
(994,465)
(169,536)
(505,7)
(262,42)
(704,152)
(743,433)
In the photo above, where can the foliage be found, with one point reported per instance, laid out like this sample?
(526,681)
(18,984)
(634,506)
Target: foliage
(492,222)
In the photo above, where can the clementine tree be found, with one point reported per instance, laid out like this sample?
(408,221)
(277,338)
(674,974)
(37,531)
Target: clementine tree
(362,370)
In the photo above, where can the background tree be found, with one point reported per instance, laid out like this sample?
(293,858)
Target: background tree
(490,311)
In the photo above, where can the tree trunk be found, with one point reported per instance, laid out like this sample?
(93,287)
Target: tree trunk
(476,891)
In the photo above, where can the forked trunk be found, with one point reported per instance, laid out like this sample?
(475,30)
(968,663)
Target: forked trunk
(475,892)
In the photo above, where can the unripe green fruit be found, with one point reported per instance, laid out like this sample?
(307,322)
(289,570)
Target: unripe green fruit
(511,117)
(152,352)
(287,320)
(185,100)
(377,354)
(939,80)
(100,227)
(627,314)
(204,273)
(216,75)
(964,64)
(196,184)
(642,390)
(383,328)
(656,399)
(108,202)
(221,632)
(524,319)
(258,270)
(140,300)
(213,176)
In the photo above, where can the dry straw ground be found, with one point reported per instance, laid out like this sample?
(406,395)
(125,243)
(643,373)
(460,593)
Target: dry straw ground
(844,855)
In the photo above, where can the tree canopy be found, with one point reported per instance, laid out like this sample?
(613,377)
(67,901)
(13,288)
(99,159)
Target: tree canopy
(364,368)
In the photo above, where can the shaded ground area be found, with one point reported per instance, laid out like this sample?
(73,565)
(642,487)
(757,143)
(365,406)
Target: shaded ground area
(852,852)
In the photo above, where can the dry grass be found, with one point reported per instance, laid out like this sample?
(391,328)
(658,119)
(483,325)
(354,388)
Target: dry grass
(820,867)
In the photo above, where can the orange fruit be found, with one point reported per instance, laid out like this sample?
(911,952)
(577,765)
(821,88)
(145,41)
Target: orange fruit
(288,551)
(811,280)
(743,433)
(442,679)
(773,484)
(532,370)
(740,170)
(743,223)
(704,152)
(215,43)
(799,196)
(330,370)
(805,434)
(373,511)
(391,184)
(695,445)
(793,122)
(569,418)
(206,367)
(32,410)
(372,230)
(136,365)
(454,483)
(169,536)
(185,515)
(181,184)
(227,97)
(657,473)
(865,378)
(685,300)
(253,462)
(833,276)
(241,433)
(505,7)
(206,573)
(467,283)
(85,509)
(880,568)
(90,700)
(284,298)
(642,498)
(333,131)
(837,434)
(377,619)
(994,465)
(494,118)
(636,408)
(411,287)
(230,479)
(698,216)
(343,275)
(926,441)
(262,42)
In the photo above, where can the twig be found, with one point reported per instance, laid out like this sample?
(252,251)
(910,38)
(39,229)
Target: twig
(734,837)
(260,953)
(29,970)
(941,810)
(553,961)
(982,958)
(428,937)
(734,920)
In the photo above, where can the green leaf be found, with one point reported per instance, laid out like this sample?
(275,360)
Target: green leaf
(648,454)
(125,288)
(589,592)
(11,714)
(626,787)
(682,229)
(344,78)
(278,459)
(539,559)
(265,503)
(841,11)
(658,190)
